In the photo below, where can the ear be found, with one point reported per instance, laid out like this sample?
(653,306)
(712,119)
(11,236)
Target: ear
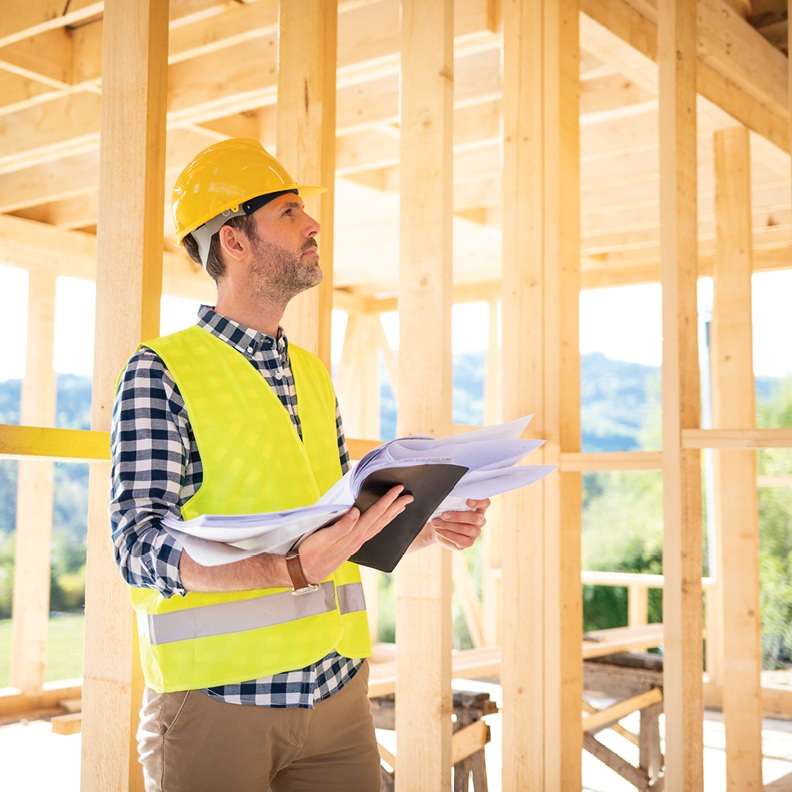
(233,242)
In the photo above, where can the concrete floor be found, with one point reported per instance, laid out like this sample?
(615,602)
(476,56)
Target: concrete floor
(32,759)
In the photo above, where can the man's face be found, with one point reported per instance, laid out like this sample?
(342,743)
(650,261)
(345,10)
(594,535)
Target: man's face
(286,256)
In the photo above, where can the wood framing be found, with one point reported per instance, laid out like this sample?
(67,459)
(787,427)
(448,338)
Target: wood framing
(30,616)
(541,374)
(682,609)
(128,289)
(306,146)
(561,144)
(736,506)
(522,287)
(563,677)
(423,580)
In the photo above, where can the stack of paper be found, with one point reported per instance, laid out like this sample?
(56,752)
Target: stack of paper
(476,465)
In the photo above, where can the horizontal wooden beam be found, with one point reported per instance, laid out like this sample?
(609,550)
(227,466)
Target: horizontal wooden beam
(614,460)
(60,445)
(621,709)
(22,20)
(13,702)
(737,438)
(596,578)
(774,481)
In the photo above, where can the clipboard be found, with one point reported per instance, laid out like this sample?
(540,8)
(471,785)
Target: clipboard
(428,484)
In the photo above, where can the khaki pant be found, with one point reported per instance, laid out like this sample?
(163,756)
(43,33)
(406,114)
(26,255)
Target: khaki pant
(190,742)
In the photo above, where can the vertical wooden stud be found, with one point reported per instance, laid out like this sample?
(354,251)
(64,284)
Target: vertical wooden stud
(682,561)
(736,507)
(307,54)
(357,377)
(30,615)
(128,289)
(522,287)
(562,512)
(423,580)
(357,388)
(540,289)
(491,574)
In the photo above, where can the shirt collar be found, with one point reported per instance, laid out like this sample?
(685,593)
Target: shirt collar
(243,339)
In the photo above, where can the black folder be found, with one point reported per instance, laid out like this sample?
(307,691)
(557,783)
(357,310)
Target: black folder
(428,484)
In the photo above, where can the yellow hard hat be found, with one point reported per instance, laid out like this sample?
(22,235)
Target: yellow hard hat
(222,177)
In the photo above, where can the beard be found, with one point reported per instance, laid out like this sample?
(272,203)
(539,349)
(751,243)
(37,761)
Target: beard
(279,274)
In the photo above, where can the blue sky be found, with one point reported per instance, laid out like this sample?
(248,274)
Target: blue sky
(605,317)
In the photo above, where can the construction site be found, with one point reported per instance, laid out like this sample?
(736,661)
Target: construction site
(516,153)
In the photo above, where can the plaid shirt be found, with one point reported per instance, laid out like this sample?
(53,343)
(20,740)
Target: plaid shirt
(157,468)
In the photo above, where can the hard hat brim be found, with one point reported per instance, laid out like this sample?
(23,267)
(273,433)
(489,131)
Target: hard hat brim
(304,191)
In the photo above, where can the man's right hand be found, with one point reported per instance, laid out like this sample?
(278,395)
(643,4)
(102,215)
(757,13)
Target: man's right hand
(320,554)
(324,551)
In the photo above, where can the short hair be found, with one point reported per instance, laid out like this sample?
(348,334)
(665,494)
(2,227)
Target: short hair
(215,265)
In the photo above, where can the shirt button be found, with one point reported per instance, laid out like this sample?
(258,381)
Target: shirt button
(278,375)
(250,350)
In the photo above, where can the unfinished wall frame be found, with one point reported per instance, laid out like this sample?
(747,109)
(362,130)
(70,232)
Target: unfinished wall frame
(336,114)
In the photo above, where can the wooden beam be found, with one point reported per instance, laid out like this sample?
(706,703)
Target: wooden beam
(128,290)
(306,146)
(615,460)
(751,88)
(423,580)
(357,388)
(30,617)
(491,578)
(736,505)
(46,58)
(23,20)
(522,285)
(682,609)
(59,445)
(613,714)
(736,438)
(563,678)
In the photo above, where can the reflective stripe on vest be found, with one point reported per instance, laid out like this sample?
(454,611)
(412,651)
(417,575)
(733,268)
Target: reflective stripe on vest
(251,614)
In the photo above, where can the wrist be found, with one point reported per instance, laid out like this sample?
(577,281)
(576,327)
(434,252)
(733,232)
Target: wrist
(299,581)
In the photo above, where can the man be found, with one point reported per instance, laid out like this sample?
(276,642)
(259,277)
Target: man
(255,670)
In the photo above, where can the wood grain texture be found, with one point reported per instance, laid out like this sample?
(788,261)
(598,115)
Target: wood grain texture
(522,293)
(736,503)
(682,559)
(30,613)
(306,147)
(128,290)
(423,580)
(563,677)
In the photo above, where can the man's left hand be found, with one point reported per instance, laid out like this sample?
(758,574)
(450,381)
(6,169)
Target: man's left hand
(455,530)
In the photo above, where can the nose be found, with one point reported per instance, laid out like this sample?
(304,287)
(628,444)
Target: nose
(312,227)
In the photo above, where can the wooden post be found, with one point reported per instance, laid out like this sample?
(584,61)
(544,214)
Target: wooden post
(491,573)
(423,580)
(682,567)
(522,286)
(541,374)
(563,677)
(306,146)
(30,615)
(128,289)
(357,388)
(736,506)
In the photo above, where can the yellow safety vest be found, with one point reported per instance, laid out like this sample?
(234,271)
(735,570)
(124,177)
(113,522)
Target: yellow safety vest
(253,461)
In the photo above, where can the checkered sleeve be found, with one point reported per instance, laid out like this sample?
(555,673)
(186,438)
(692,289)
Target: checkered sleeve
(343,451)
(153,473)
